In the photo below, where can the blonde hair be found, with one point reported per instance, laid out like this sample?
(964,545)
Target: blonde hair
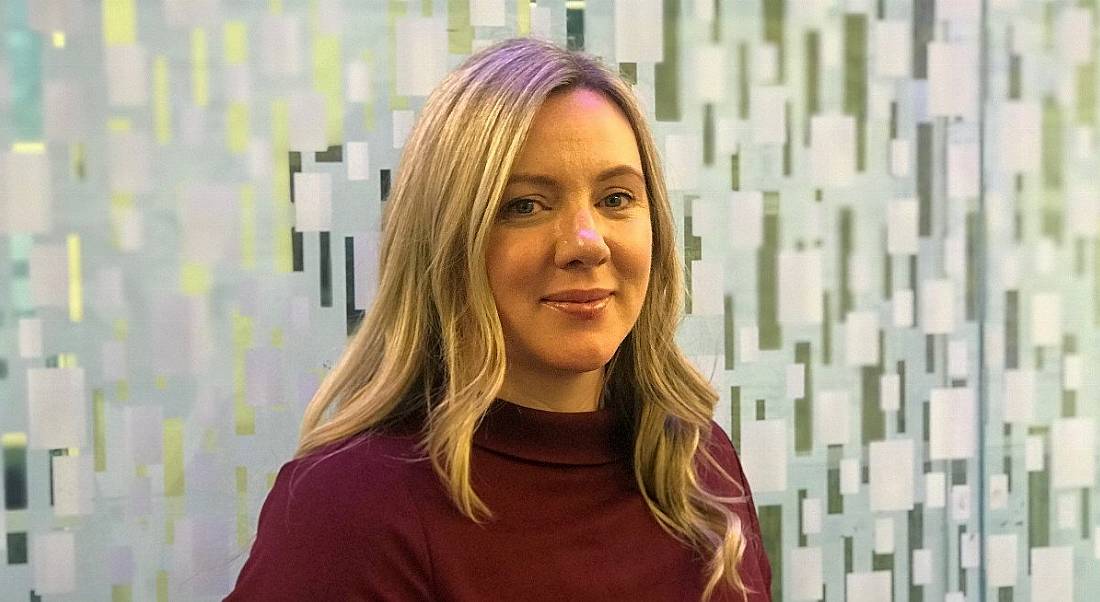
(431,344)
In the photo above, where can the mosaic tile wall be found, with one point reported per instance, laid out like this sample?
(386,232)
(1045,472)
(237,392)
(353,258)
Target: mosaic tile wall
(889,213)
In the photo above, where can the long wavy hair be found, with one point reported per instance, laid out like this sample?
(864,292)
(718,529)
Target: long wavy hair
(431,344)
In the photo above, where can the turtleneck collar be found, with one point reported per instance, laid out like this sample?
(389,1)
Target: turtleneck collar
(579,438)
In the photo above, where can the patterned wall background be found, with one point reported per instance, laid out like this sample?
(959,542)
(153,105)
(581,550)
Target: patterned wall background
(889,213)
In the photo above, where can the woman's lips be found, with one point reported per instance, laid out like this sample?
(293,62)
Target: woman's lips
(589,309)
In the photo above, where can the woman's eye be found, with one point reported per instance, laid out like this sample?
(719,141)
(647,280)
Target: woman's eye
(626,197)
(521,202)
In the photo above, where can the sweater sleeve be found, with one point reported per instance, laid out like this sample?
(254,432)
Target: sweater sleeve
(328,532)
(731,462)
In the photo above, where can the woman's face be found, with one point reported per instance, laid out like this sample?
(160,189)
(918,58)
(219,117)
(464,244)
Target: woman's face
(575,215)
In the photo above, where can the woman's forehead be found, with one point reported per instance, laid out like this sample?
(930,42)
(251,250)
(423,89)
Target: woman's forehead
(582,129)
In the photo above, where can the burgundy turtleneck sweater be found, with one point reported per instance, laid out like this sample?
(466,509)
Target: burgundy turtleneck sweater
(362,520)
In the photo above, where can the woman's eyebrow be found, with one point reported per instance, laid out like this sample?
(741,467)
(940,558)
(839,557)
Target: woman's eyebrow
(542,180)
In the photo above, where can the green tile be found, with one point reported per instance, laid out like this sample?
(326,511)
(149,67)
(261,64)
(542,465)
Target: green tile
(574,27)
(1053,140)
(735,416)
(460,35)
(855,79)
(773,31)
(667,72)
(1038,509)
(812,101)
(1086,91)
(629,72)
(767,277)
(834,500)
(771,530)
(803,406)
(17,548)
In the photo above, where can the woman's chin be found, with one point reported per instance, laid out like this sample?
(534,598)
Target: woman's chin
(579,362)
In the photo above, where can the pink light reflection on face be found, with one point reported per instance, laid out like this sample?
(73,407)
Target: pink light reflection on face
(587,233)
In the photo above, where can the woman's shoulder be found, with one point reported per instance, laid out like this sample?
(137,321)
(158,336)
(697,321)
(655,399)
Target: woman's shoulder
(348,495)
(364,469)
(721,448)
(720,444)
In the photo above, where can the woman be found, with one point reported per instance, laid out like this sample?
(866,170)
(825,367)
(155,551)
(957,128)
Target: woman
(513,419)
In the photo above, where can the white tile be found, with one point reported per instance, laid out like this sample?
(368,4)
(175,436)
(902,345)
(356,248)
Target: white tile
(1019,396)
(937,306)
(26,201)
(903,308)
(746,221)
(935,489)
(358,160)
(307,122)
(801,288)
(890,392)
(960,503)
(796,381)
(884,535)
(313,202)
(749,339)
(764,454)
(280,48)
(953,428)
(958,358)
(683,156)
(1018,134)
(953,79)
(421,62)
(1046,319)
(891,475)
(807,575)
(893,43)
(73,485)
(849,476)
(1073,458)
(1068,506)
(357,87)
(53,559)
(639,31)
(127,70)
(811,516)
(868,587)
(487,13)
(30,338)
(403,122)
(707,286)
(902,227)
(833,417)
(143,426)
(1001,564)
(998,491)
(710,73)
(901,155)
(768,114)
(922,567)
(57,408)
(861,338)
(1052,574)
(1034,459)
(832,150)
(970,551)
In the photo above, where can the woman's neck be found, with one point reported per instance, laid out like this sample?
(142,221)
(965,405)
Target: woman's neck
(554,392)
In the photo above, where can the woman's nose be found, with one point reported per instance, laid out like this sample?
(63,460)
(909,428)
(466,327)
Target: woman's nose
(581,238)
